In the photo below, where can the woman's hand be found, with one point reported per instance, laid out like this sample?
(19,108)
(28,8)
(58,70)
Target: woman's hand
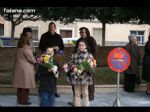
(56,48)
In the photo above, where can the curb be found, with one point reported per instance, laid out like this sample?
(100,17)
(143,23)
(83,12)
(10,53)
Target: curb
(8,89)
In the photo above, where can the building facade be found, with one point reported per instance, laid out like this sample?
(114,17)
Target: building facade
(115,34)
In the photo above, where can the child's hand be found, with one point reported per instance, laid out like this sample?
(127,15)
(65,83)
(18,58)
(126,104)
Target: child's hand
(65,67)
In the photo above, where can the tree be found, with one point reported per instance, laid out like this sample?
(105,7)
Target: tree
(17,16)
(104,15)
(67,14)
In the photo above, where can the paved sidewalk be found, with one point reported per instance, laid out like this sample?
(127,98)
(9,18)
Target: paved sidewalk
(103,99)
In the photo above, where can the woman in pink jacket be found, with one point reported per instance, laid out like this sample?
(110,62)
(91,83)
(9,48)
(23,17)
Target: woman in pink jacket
(24,78)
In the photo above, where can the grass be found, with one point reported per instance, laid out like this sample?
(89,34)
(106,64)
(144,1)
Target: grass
(103,76)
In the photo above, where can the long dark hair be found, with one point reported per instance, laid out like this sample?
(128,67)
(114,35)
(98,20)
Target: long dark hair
(23,41)
(86,29)
(26,29)
(51,23)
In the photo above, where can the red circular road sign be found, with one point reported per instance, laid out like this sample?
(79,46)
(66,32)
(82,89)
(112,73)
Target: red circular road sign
(118,59)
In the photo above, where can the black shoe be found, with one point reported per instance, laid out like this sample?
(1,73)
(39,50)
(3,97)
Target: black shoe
(130,91)
(28,103)
(147,93)
(81,96)
(91,99)
(71,103)
(57,95)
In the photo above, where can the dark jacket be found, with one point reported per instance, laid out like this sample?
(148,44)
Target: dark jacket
(47,79)
(135,57)
(146,58)
(92,45)
(48,40)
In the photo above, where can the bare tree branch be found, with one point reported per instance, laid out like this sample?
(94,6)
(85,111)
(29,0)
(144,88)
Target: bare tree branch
(19,18)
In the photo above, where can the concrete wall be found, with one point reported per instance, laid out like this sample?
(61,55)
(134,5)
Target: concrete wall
(7,60)
(120,32)
(42,27)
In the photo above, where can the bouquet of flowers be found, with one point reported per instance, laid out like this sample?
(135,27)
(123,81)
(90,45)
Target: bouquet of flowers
(47,61)
(86,65)
(80,71)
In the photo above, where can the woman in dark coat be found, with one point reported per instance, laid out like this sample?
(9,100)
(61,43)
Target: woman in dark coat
(133,69)
(146,66)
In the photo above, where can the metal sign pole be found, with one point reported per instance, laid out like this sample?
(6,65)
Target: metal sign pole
(118,60)
(117,100)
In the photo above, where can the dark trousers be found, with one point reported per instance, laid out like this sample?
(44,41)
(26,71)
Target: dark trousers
(47,99)
(91,90)
(22,95)
(129,82)
(55,86)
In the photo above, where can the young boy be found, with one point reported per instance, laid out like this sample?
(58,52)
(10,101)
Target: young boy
(47,81)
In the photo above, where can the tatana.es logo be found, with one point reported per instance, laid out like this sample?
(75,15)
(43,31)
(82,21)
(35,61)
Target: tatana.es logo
(16,11)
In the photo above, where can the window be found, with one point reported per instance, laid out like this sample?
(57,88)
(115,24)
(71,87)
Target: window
(1,29)
(97,34)
(34,32)
(140,36)
(66,33)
